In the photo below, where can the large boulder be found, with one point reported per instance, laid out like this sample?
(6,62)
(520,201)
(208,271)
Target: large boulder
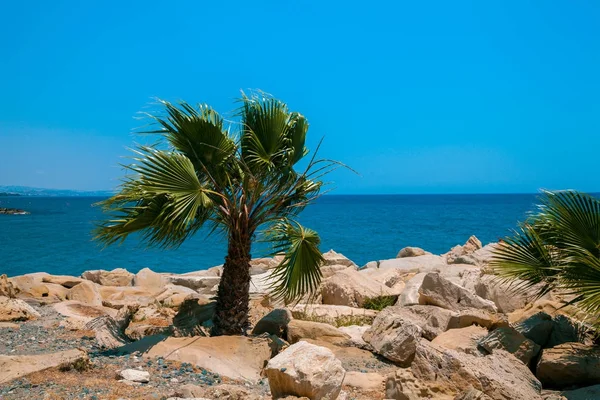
(16,310)
(333,258)
(14,367)
(78,314)
(85,292)
(569,364)
(30,285)
(116,277)
(411,252)
(537,328)
(150,280)
(120,296)
(394,336)
(501,293)
(304,369)
(512,341)
(499,375)
(298,330)
(274,323)
(462,339)
(351,288)
(235,357)
(440,292)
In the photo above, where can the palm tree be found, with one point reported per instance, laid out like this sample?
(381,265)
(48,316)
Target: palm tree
(557,248)
(242,184)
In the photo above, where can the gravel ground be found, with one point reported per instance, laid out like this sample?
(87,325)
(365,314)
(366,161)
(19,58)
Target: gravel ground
(100,381)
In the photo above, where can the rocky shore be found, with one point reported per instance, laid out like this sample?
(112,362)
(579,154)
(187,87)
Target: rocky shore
(420,326)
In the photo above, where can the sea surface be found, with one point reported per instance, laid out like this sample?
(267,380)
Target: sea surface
(56,237)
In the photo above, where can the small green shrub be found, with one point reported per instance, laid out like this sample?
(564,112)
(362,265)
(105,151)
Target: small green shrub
(80,365)
(380,302)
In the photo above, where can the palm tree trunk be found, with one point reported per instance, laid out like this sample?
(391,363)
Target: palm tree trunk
(231,312)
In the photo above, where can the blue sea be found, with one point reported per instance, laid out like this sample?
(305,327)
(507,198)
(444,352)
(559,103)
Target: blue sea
(56,237)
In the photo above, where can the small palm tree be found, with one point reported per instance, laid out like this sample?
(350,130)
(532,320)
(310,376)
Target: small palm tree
(202,175)
(557,248)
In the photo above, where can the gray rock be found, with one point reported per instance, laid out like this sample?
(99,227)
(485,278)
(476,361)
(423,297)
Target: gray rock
(440,292)
(538,328)
(274,323)
(510,340)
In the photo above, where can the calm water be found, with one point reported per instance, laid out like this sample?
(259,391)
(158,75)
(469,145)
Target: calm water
(56,237)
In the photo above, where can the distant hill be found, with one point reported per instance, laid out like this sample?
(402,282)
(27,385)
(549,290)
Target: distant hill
(41,192)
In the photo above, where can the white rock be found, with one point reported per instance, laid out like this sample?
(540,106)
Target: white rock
(134,375)
(304,369)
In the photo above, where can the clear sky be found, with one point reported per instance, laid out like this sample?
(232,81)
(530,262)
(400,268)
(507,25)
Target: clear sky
(417,96)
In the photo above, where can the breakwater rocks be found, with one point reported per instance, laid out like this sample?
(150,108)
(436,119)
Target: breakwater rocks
(420,326)
(12,211)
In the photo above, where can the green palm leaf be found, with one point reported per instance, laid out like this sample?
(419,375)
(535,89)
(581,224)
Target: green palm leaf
(558,248)
(165,197)
(300,271)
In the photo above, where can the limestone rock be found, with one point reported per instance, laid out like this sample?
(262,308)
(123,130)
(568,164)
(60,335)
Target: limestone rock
(298,330)
(134,375)
(501,293)
(365,381)
(333,258)
(307,370)
(410,295)
(537,328)
(16,310)
(440,292)
(85,292)
(235,357)
(150,280)
(569,364)
(512,341)
(356,332)
(487,319)
(394,336)
(13,367)
(30,285)
(333,314)
(499,375)
(78,314)
(110,331)
(200,284)
(463,339)
(63,280)
(432,320)
(351,288)
(274,323)
(411,252)
(458,252)
(116,277)
(6,287)
(119,296)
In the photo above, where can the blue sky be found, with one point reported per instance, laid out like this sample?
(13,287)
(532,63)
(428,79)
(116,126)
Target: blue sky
(418,97)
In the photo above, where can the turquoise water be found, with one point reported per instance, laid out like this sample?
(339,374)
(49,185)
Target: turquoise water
(56,237)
